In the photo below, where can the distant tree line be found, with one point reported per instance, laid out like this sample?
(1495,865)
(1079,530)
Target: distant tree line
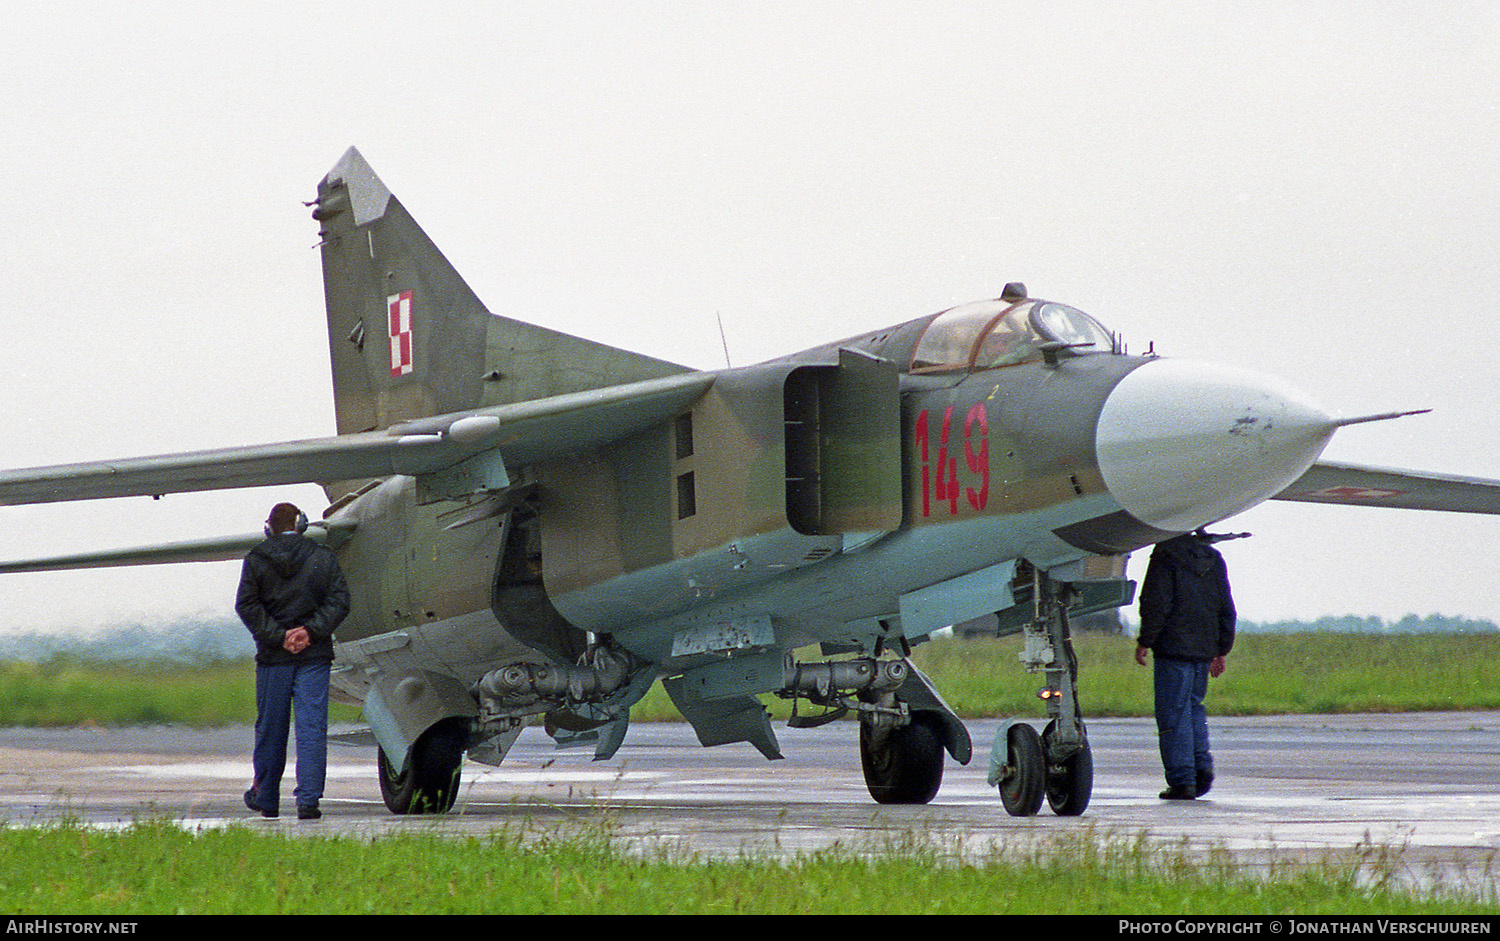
(207,639)
(1353,624)
(1356,624)
(185,640)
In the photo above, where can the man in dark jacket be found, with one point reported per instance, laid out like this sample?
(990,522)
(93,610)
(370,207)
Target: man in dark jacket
(1187,622)
(291,597)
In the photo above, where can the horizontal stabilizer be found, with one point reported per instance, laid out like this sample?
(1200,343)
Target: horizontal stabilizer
(1356,485)
(520,433)
(212,549)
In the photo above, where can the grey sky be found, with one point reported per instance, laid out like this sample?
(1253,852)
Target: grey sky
(1309,189)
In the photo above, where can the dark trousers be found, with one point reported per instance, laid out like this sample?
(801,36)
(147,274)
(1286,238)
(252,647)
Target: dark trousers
(281,690)
(1181,720)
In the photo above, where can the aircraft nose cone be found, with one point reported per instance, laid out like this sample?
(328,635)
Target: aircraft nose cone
(1182,443)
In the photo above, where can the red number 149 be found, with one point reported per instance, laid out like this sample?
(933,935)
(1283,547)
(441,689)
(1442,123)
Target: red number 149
(944,486)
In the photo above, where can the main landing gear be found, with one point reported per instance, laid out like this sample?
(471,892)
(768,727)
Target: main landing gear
(904,726)
(427,783)
(903,764)
(1057,764)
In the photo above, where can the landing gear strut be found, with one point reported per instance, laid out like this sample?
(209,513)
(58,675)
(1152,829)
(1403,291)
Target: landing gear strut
(1058,763)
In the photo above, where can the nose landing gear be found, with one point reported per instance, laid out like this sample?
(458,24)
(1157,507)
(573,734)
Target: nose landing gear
(1057,764)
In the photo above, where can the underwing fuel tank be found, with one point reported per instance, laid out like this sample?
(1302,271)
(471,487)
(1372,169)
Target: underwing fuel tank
(1182,443)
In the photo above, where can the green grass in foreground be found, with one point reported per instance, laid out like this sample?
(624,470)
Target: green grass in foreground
(1268,674)
(156,868)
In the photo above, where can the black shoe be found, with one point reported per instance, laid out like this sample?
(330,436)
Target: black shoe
(309,813)
(1205,781)
(251,803)
(1178,792)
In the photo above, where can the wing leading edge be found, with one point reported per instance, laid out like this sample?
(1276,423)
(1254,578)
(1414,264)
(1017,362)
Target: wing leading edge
(1358,485)
(518,433)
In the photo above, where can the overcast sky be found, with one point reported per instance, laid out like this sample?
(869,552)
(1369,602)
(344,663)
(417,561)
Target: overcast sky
(1310,189)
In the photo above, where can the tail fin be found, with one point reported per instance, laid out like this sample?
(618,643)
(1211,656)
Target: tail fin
(409,339)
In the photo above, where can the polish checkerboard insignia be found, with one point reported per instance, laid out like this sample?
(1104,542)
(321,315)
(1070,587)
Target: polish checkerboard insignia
(398,309)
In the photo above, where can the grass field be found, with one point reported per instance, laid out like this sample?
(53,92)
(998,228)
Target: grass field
(158,868)
(1268,673)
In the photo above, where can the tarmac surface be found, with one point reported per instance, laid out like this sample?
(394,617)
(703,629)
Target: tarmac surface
(1423,789)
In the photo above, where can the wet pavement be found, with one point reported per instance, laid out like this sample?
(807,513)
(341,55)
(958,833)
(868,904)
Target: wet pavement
(1425,786)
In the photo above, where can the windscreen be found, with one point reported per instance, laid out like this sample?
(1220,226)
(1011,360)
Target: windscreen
(1072,326)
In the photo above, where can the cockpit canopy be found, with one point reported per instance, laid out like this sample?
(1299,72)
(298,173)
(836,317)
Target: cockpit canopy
(991,334)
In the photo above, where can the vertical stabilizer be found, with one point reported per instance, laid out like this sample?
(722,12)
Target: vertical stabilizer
(405,333)
(407,336)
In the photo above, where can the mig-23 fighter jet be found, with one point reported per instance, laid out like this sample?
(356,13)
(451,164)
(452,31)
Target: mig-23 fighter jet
(536,527)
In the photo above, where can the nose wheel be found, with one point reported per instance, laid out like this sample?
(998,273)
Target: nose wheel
(1070,779)
(1022,779)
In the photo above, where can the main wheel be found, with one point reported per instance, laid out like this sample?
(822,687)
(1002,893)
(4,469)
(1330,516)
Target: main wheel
(428,783)
(904,765)
(1021,790)
(1070,782)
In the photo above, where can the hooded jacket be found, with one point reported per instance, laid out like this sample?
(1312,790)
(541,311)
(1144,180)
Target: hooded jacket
(288,581)
(1187,612)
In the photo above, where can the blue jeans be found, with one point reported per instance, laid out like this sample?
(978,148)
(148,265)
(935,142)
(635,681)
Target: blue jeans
(1181,720)
(278,689)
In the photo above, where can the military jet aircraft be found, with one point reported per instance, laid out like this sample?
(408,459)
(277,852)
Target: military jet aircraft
(536,527)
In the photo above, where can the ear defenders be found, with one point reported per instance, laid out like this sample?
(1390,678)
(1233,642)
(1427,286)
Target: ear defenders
(300,525)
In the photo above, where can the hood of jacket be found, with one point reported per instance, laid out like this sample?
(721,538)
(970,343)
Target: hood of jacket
(285,552)
(1191,552)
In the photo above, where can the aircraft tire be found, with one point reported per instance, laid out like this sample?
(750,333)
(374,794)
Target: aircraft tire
(907,767)
(1023,789)
(1070,784)
(428,784)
